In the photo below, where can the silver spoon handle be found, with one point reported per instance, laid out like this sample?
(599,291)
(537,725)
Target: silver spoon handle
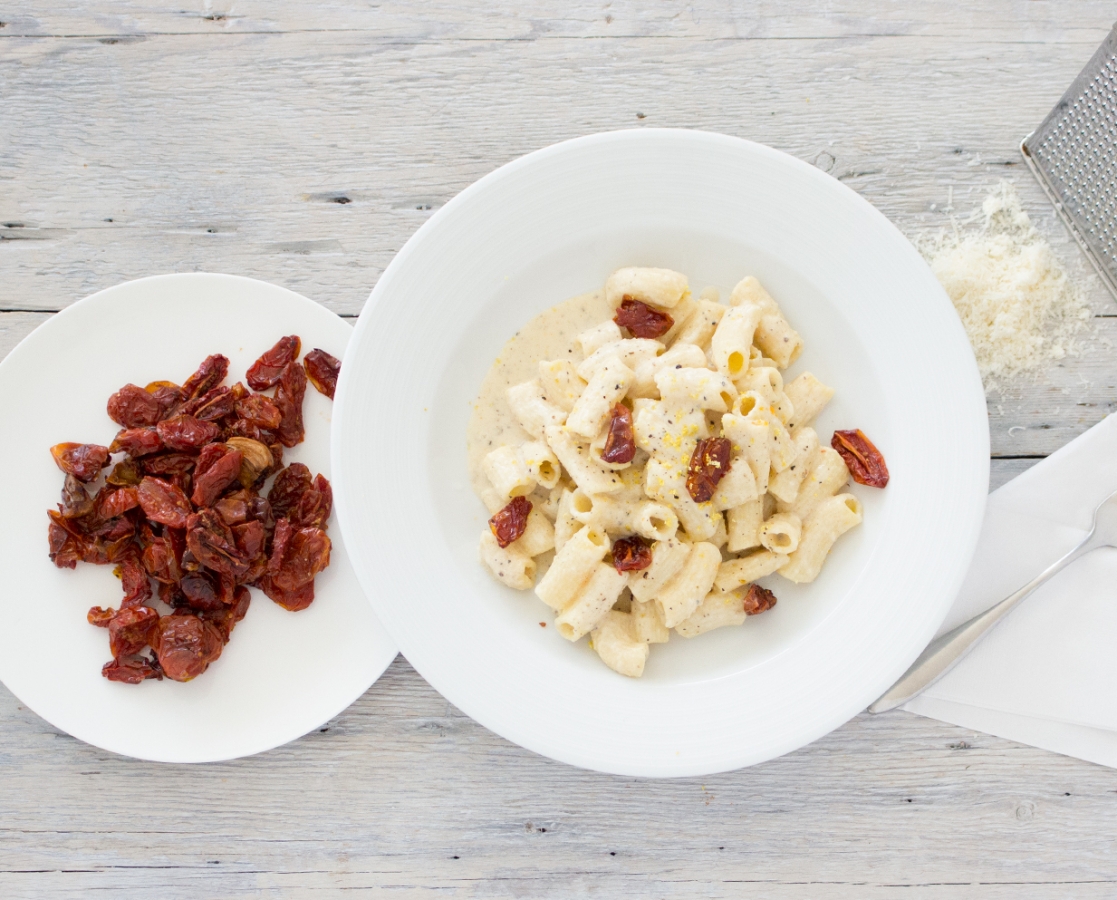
(945,652)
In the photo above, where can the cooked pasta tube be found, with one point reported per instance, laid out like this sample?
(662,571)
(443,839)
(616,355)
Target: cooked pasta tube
(594,599)
(561,383)
(667,558)
(780,533)
(631,352)
(828,521)
(743,525)
(574,454)
(737,486)
(643,382)
(752,437)
(768,383)
(654,521)
(735,573)
(785,485)
(566,524)
(647,620)
(701,325)
(691,388)
(781,447)
(530,409)
(615,641)
(682,594)
(680,312)
(809,397)
(510,565)
(657,287)
(541,463)
(508,473)
(591,411)
(827,476)
(732,340)
(593,339)
(538,536)
(779,341)
(572,566)
(667,484)
(667,434)
(720,537)
(717,610)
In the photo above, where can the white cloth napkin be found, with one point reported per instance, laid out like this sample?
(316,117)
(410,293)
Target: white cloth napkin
(1047,675)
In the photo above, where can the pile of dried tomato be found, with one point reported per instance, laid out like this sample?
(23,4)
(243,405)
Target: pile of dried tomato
(182,508)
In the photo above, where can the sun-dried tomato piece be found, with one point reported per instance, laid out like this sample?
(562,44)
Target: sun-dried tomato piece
(865,462)
(141,441)
(209,485)
(132,669)
(211,543)
(289,398)
(758,600)
(210,407)
(201,591)
(509,523)
(289,485)
(322,370)
(134,580)
(265,372)
(210,454)
(130,630)
(167,464)
(281,537)
(112,503)
(226,618)
(620,442)
(308,553)
(99,616)
(708,465)
(186,645)
(133,407)
(159,562)
(83,461)
(232,509)
(314,506)
(125,473)
(66,551)
(211,373)
(631,554)
(164,503)
(249,538)
(641,320)
(167,394)
(186,433)
(258,410)
(245,429)
(291,600)
(76,501)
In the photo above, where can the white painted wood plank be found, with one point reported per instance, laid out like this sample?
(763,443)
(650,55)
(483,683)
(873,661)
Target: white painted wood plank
(983,20)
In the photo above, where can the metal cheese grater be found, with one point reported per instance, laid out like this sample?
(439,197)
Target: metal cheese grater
(1073,154)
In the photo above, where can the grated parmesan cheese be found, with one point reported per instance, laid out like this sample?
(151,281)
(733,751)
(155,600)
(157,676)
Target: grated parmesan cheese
(1015,300)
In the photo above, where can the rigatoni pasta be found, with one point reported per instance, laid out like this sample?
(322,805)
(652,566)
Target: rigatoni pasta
(655,465)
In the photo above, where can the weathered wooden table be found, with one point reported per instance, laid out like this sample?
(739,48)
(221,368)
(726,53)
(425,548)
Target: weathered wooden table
(302,143)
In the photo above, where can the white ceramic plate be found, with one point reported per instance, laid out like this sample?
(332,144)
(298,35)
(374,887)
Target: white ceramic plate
(283,673)
(876,326)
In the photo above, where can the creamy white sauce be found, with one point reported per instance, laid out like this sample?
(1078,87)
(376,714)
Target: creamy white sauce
(550,335)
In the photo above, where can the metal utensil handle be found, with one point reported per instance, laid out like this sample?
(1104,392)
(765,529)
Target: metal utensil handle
(945,652)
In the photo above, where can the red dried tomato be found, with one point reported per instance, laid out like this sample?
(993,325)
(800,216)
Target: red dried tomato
(641,320)
(210,373)
(133,407)
(260,411)
(130,630)
(185,646)
(186,433)
(322,370)
(288,488)
(708,465)
(509,524)
(141,441)
(112,503)
(83,461)
(865,463)
(134,580)
(758,600)
(631,554)
(300,598)
(99,616)
(164,503)
(132,669)
(289,400)
(620,443)
(209,485)
(265,372)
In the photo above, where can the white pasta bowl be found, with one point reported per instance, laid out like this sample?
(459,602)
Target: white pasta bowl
(876,326)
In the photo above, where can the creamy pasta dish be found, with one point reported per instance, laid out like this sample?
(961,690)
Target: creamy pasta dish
(645,463)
